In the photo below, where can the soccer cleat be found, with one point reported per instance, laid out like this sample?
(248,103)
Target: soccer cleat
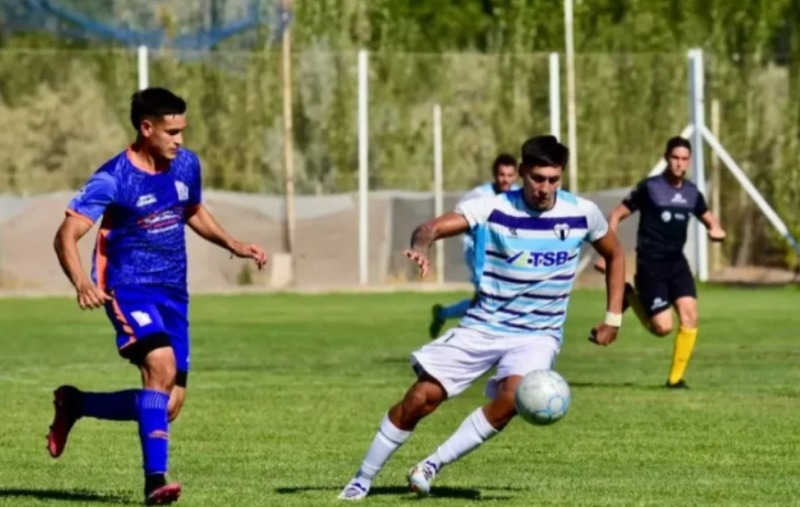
(354,490)
(681,384)
(437,322)
(164,495)
(66,400)
(420,478)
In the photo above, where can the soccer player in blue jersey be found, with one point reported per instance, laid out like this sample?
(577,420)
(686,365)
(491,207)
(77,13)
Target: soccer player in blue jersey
(145,196)
(504,172)
(526,255)
(663,279)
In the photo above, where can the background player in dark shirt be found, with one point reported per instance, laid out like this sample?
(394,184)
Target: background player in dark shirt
(145,196)
(663,278)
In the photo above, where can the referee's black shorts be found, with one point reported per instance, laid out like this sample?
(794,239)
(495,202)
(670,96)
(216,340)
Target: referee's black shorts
(660,283)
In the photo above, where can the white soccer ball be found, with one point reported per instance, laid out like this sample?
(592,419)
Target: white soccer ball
(542,397)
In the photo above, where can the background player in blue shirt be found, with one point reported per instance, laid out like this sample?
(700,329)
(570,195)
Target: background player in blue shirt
(663,279)
(145,196)
(526,257)
(504,174)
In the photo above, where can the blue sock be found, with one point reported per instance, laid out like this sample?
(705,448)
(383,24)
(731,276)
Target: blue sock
(457,310)
(154,430)
(118,406)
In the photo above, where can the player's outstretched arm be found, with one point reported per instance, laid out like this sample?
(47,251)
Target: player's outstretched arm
(445,226)
(203,223)
(618,214)
(611,251)
(715,231)
(72,229)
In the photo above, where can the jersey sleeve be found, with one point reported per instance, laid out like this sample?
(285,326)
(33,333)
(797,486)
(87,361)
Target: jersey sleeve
(92,200)
(596,223)
(700,206)
(636,199)
(476,211)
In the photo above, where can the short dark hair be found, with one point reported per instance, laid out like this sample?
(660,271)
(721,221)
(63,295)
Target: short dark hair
(154,103)
(503,159)
(543,151)
(677,142)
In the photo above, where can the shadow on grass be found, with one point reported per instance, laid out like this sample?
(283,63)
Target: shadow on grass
(437,492)
(65,495)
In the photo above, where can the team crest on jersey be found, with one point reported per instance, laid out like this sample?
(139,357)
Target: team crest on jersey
(183,191)
(562,231)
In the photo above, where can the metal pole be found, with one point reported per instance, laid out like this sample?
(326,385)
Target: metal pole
(697,115)
(555,96)
(363,167)
(438,200)
(288,135)
(716,248)
(571,109)
(144,77)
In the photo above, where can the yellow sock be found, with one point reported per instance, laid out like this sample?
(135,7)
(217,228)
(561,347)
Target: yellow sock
(684,344)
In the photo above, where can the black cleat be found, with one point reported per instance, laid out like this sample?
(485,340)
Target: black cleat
(681,384)
(437,322)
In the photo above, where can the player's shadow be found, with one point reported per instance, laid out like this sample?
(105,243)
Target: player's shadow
(81,496)
(630,385)
(437,492)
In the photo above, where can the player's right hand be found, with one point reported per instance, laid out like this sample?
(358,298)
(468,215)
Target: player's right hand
(90,297)
(600,265)
(421,260)
(603,334)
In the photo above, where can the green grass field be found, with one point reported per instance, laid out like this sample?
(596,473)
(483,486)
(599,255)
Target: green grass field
(286,392)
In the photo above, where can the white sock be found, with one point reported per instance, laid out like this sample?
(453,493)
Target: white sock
(388,439)
(474,431)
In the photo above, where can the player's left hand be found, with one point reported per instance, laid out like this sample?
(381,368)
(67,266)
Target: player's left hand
(716,234)
(421,260)
(250,251)
(603,334)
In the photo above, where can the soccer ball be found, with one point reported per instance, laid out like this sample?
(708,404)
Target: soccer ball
(542,397)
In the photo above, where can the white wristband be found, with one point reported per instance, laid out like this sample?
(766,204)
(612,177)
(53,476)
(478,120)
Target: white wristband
(613,319)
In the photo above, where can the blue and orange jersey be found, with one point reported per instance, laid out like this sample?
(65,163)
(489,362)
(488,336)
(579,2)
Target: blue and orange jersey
(141,240)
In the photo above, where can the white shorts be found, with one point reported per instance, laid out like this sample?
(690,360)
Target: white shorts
(457,358)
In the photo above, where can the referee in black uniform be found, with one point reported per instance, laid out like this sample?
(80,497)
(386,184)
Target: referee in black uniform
(663,279)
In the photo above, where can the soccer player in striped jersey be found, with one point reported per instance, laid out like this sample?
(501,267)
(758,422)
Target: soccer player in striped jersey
(145,196)
(504,173)
(526,255)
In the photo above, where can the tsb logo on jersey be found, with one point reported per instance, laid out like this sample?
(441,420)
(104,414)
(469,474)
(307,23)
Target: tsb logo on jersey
(539,259)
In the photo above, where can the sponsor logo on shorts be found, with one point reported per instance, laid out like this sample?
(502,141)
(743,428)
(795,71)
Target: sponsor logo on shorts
(141,318)
(658,303)
(666,216)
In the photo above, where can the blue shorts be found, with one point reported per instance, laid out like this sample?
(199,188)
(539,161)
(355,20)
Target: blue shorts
(149,317)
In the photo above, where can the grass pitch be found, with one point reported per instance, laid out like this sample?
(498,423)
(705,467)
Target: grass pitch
(286,392)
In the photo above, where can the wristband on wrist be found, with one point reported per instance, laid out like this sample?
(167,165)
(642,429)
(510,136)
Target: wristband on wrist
(613,319)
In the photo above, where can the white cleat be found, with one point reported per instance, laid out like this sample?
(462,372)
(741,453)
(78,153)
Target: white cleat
(420,478)
(355,490)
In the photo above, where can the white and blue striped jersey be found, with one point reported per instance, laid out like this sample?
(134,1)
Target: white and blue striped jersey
(526,261)
(485,190)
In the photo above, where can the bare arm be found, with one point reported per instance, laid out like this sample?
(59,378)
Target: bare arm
(618,214)
(612,254)
(445,226)
(715,231)
(205,225)
(72,229)
(611,251)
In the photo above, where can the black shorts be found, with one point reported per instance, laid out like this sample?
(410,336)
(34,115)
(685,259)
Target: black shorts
(660,283)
